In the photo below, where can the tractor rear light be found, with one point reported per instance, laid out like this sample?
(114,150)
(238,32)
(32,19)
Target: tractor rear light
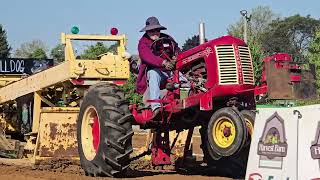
(77,81)
(119,82)
(295,78)
(114,31)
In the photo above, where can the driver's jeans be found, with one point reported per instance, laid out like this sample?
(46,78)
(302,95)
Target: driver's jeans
(155,77)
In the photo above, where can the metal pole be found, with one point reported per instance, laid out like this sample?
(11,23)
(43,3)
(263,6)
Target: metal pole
(202,38)
(245,30)
(246,19)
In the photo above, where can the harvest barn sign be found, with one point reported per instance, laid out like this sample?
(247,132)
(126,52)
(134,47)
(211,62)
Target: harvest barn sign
(272,146)
(23,66)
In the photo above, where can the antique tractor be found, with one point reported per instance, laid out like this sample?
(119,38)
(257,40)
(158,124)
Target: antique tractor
(217,94)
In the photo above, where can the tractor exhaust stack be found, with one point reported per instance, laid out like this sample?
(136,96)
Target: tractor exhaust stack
(202,38)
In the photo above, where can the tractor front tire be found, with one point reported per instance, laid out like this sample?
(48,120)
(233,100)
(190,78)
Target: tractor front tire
(232,164)
(104,131)
(226,132)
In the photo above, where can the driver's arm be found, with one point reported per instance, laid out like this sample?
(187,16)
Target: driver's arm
(147,56)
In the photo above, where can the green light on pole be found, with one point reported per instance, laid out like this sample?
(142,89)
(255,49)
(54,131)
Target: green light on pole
(74,30)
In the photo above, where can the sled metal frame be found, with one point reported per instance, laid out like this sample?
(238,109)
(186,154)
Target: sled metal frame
(107,67)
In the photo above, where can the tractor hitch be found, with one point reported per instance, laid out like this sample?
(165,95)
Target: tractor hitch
(161,149)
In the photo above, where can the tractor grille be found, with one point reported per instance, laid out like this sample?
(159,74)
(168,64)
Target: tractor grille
(246,63)
(227,64)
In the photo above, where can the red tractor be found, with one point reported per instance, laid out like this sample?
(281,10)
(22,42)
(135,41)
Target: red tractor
(218,96)
(285,79)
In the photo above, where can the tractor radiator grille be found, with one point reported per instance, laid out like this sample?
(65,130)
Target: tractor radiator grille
(227,64)
(246,63)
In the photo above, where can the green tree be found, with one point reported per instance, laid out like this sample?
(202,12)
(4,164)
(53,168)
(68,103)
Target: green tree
(57,53)
(4,46)
(291,35)
(191,43)
(35,48)
(94,50)
(314,56)
(261,17)
(129,89)
(113,48)
(257,56)
(38,54)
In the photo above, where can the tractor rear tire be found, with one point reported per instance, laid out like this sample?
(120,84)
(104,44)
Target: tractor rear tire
(104,131)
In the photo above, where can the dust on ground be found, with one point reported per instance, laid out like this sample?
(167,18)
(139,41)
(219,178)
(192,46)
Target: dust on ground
(68,170)
(139,169)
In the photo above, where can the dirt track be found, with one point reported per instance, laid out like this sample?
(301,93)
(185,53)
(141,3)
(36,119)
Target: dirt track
(24,170)
(75,173)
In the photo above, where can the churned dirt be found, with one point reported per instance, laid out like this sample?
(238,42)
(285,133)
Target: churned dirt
(74,172)
(66,170)
(139,169)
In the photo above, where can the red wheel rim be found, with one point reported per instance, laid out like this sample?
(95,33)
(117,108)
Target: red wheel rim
(96,133)
(90,133)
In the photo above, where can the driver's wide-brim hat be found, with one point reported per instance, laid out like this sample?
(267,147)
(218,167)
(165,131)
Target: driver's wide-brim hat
(152,23)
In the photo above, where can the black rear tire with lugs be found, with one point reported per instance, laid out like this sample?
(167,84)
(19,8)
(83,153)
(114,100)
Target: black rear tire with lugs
(114,145)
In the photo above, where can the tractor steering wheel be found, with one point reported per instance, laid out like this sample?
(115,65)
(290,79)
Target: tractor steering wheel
(164,47)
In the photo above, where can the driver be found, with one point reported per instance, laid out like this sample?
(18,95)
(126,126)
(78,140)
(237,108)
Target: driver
(153,69)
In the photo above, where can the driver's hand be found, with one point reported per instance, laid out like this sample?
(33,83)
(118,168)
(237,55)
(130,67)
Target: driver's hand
(168,65)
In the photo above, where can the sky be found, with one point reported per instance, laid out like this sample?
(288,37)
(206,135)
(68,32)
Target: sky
(26,20)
